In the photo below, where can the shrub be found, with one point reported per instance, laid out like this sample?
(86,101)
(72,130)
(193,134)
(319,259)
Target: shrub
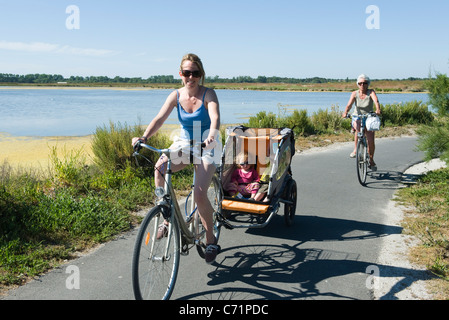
(414,112)
(70,170)
(434,140)
(112,146)
(326,121)
(439,93)
(263,120)
(300,123)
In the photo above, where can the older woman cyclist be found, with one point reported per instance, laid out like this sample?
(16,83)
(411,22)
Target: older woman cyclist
(199,115)
(365,99)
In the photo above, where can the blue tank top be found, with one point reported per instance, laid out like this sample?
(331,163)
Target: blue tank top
(193,125)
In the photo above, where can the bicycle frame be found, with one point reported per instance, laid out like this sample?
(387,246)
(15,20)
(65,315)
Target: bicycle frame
(362,134)
(362,164)
(169,200)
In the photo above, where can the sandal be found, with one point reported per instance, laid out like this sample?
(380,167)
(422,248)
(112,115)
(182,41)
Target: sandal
(212,251)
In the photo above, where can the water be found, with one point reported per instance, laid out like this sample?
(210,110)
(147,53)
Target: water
(77,112)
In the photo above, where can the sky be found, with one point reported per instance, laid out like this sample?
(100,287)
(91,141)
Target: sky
(392,39)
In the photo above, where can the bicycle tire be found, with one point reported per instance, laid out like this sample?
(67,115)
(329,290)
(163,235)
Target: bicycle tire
(215,195)
(153,272)
(290,209)
(362,161)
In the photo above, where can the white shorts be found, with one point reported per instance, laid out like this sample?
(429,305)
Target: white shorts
(184,156)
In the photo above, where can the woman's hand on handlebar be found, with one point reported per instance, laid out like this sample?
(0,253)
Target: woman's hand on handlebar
(136,141)
(209,143)
(345,115)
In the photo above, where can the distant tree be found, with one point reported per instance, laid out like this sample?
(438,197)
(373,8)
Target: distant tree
(261,79)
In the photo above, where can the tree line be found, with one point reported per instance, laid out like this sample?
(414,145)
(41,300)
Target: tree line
(55,78)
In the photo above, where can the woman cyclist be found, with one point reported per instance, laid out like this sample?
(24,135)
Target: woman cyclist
(199,115)
(365,99)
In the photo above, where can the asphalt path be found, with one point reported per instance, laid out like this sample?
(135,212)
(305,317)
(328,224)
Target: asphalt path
(330,252)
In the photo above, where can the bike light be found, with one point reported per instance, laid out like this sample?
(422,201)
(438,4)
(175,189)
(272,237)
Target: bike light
(160,192)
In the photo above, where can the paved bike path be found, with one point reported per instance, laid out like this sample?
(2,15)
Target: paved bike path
(329,253)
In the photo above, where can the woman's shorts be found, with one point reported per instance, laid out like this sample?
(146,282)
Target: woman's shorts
(356,122)
(184,155)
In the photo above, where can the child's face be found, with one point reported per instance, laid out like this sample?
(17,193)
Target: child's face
(245,166)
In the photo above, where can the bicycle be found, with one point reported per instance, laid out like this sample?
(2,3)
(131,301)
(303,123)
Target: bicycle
(362,155)
(155,261)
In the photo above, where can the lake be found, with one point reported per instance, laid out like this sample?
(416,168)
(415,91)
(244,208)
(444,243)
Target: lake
(78,112)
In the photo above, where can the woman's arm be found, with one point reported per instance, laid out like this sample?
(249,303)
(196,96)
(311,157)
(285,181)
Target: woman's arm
(376,101)
(349,105)
(213,108)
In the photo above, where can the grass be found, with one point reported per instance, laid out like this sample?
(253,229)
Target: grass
(428,220)
(46,218)
(45,221)
(381,86)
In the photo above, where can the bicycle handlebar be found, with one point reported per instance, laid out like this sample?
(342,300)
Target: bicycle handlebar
(349,116)
(139,145)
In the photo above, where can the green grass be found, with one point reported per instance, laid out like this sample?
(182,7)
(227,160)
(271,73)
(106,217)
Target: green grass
(428,220)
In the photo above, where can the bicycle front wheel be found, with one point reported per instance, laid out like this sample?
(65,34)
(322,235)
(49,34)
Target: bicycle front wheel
(362,161)
(155,261)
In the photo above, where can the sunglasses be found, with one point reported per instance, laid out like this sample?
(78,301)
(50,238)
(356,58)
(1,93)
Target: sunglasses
(363,83)
(244,163)
(188,73)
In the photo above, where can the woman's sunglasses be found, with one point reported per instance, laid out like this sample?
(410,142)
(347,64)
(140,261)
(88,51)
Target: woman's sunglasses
(188,73)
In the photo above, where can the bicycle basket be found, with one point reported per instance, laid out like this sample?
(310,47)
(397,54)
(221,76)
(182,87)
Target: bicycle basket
(373,123)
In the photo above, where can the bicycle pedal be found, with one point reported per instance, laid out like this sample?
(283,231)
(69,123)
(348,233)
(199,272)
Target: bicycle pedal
(184,250)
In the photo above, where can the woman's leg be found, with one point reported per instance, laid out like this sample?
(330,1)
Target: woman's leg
(204,173)
(356,126)
(159,180)
(370,136)
(161,168)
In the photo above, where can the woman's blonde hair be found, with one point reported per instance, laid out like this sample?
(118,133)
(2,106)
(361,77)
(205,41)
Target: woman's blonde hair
(197,61)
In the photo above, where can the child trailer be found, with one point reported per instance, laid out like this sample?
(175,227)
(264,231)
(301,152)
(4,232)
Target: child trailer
(270,151)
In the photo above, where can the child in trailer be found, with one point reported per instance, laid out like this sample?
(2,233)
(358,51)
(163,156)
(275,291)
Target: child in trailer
(244,181)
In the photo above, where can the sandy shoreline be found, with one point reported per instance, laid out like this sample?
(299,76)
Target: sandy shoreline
(34,152)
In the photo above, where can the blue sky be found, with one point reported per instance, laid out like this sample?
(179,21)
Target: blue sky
(141,38)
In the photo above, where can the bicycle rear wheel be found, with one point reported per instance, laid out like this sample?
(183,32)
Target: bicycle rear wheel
(362,161)
(215,196)
(155,262)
